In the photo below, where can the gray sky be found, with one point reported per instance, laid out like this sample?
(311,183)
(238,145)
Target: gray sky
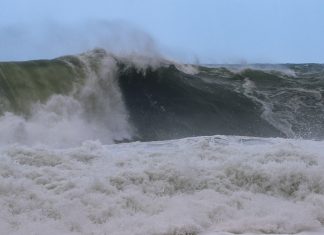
(212,31)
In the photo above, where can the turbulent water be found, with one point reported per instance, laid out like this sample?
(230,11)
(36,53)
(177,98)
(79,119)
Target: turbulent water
(58,174)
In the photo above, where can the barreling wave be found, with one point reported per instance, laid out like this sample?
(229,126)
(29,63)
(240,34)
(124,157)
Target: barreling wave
(97,95)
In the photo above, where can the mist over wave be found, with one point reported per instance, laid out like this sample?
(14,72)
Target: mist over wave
(50,39)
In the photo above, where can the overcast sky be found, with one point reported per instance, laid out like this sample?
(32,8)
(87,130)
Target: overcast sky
(212,31)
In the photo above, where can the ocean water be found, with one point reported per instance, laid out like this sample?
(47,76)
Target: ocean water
(103,144)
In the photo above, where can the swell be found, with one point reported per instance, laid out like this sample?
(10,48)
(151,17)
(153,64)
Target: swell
(115,98)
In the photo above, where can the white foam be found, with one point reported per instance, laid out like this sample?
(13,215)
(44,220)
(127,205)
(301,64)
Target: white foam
(205,185)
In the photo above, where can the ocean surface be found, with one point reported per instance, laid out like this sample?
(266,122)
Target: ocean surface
(103,144)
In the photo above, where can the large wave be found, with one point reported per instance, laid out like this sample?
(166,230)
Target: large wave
(97,95)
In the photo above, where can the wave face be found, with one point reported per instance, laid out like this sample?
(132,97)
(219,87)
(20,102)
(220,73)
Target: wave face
(168,103)
(101,96)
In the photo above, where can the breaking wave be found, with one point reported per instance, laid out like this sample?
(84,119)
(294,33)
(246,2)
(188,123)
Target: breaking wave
(97,95)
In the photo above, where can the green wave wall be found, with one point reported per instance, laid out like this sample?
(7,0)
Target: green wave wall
(24,83)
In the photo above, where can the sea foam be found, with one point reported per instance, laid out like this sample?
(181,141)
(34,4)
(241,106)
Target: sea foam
(203,185)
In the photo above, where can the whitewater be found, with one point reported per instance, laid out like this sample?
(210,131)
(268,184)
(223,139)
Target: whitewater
(202,185)
(104,144)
